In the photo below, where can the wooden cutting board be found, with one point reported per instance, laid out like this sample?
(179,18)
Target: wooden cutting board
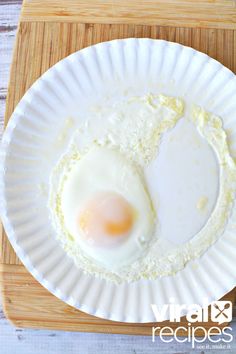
(49,30)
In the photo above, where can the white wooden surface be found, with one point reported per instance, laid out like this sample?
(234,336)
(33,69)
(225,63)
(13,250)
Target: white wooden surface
(27,341)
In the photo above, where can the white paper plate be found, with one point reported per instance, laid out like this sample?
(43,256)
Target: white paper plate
(29,151)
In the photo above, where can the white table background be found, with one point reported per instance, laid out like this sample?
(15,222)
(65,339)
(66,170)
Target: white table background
(28,341)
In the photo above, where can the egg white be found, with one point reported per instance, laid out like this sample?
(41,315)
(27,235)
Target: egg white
(100,170)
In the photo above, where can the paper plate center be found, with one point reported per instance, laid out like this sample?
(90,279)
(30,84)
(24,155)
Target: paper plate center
(183,182)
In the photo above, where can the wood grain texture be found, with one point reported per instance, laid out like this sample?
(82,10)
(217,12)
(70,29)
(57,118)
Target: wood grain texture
(187,13)
(40,45)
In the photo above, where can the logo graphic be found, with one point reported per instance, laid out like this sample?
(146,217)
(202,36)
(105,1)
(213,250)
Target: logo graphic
(196,315)
(221,311)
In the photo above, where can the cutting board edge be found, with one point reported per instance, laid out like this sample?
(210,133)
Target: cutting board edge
(176,14)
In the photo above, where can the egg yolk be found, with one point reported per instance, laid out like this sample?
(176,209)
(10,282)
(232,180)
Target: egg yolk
(106,219)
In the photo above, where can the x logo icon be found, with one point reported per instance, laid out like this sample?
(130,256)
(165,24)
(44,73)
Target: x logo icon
(221,311)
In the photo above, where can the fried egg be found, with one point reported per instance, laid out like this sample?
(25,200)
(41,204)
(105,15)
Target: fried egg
(138,176)
(106,208)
